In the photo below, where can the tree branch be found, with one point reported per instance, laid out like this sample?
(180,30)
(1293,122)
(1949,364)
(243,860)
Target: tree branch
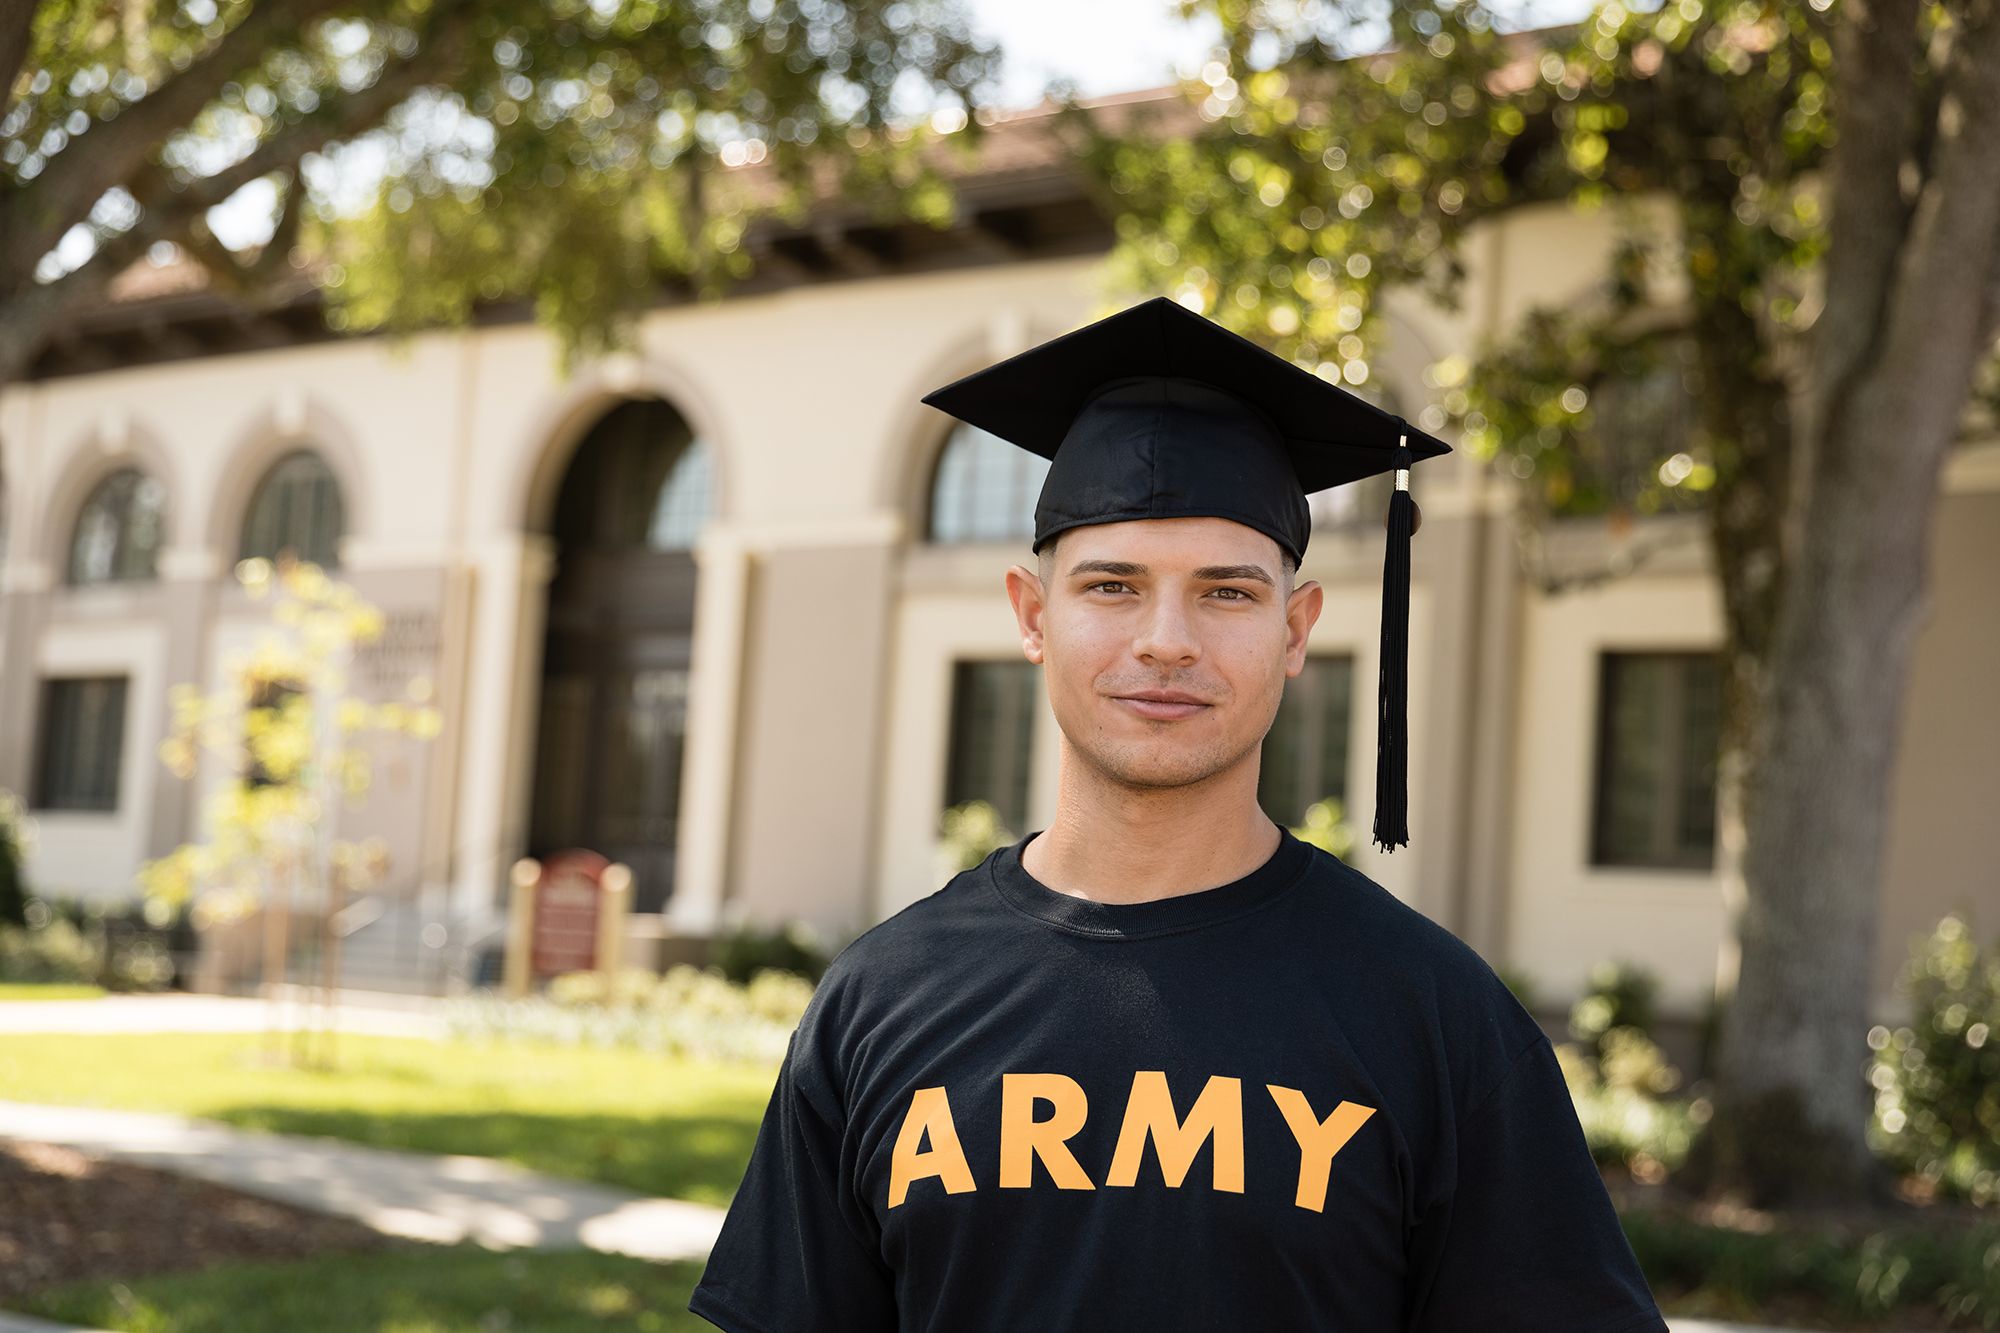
(17,30)
(275,257)
(112,150)
(336,118)
(1940,312)
(169,212)
(1876,55)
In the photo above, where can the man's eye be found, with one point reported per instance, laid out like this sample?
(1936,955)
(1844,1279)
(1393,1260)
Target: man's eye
(1108,583)
(1241,596)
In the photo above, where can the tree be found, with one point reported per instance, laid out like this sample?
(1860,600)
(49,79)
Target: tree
(1826,295)
(569,153)
(294,742)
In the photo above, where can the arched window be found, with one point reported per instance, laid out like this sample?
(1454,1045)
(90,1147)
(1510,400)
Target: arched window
(118,534)
(296,507)
(984,489)
(681,507)
(639,480)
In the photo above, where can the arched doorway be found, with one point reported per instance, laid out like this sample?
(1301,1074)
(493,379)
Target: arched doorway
(619,638)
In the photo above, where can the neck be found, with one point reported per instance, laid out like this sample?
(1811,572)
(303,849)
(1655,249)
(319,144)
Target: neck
(1115,843)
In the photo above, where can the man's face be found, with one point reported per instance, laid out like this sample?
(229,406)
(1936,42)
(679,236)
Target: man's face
(1194,606)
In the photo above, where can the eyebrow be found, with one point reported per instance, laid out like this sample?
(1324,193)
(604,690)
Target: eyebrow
(1206,573)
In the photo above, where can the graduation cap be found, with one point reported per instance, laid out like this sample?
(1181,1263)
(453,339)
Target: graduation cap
(1158,412)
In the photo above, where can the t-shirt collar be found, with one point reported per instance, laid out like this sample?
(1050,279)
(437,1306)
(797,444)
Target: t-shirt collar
(1159,916)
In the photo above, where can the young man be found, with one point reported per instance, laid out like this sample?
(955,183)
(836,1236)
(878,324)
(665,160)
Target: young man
(1163,1066)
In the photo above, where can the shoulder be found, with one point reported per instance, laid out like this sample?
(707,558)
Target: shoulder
(1405,959)
(903,947)
(1371,916)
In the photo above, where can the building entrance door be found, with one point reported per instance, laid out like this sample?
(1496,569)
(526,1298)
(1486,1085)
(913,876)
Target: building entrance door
(620,632)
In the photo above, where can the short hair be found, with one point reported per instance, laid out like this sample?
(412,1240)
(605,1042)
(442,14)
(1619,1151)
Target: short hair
(1287,566)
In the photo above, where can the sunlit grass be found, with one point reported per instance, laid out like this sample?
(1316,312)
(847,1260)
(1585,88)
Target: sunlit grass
(656,1124)
(30,990)
(462,1289)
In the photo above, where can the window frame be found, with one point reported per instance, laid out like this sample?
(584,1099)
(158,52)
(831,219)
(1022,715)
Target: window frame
(1318,660)
(49,737)
(264,492)
(964,435)
(960,668)
(1665,853)
(141,477)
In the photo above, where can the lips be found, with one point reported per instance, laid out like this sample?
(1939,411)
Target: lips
(1161,705)
(1164,696)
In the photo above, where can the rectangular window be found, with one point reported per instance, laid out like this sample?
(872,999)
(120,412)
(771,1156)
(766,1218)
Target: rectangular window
(1305,752)
(993,706)
(1658,737)
(83,743)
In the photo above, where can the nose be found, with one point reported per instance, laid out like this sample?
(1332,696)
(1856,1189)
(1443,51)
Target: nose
(1165,637)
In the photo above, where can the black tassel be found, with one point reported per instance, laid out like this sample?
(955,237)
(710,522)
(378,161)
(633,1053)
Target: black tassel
(1392,741)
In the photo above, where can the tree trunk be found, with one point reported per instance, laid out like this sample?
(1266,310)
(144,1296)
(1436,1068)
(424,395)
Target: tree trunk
(1796,1102)
(1794,1106)
(1910,302)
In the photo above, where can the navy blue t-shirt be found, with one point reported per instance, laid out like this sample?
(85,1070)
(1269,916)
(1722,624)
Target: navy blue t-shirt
(1290,1102)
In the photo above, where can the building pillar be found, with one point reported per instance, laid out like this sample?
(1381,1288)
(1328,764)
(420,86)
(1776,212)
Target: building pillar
(509,600)
(187,607)
(708,763)
(812,723)
(24,608)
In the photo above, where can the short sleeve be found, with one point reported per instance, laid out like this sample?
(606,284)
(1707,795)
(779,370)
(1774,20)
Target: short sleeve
(1525,1238)
(791,1256)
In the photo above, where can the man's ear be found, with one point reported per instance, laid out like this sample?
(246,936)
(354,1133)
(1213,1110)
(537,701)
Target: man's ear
(1301,611)
(1024,590)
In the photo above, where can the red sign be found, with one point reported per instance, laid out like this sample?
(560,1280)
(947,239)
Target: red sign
(569,898)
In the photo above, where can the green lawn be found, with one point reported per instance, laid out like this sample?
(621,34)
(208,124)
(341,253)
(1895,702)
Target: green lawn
(651,1123)
(462,1289)
(35,990)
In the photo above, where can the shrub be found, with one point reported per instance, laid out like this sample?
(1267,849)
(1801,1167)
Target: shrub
(134,941)
(13,847)
(746,950)
(1325,826)
(1620,1079)
(1937,1080)
(1621,995)
(1621,1102)
(54,951)
(685,1011)
(970,831)
(1949,1273)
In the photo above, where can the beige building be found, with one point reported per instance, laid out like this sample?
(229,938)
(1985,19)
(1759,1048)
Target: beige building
(730,608)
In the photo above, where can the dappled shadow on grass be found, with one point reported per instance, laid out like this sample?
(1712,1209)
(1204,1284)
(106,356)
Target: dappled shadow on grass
(423,1289)
(697,1157)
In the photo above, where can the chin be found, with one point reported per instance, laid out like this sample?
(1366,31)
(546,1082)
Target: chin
(1159,765)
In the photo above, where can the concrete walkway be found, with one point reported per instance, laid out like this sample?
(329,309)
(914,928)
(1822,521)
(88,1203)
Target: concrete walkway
(446,1199)
(20,1323)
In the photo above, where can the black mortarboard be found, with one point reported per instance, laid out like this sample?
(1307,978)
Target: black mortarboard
(1158,412)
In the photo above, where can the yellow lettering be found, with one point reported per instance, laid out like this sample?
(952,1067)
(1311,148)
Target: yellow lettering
(1318,1139)
(1218,1112)
(1024,1138)
(930,1111)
